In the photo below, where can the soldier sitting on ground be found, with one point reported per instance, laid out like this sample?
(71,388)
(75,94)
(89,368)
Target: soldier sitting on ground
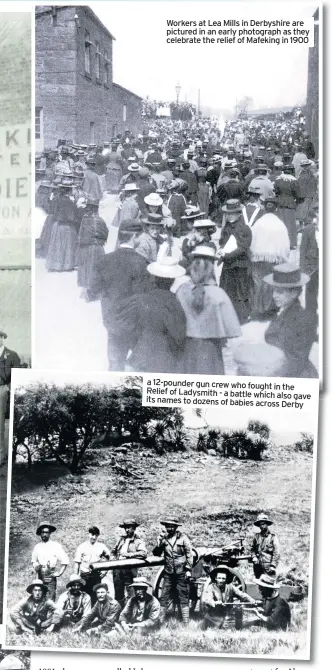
(275,612)
(142,611)
(218,599)
(73,604)
(35,613)
(103,615)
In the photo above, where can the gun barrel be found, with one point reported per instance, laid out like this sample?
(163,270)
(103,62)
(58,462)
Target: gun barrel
(150,561)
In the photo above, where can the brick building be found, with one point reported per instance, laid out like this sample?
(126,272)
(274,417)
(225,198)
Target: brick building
(76,97)
(312,109)
(15,236)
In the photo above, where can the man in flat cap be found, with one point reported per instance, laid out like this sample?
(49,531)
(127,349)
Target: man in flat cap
(73,604)
(265,551)
(49,559)
(130,545)
(176,548)
(8,360)
(35,613)
(142,611)
(103,616)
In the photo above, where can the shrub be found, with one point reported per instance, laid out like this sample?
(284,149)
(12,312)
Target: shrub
(259,427)
(305,444)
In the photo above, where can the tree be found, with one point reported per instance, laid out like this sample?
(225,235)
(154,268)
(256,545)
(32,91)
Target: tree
(61,423)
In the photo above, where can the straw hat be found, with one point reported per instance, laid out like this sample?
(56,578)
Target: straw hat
(153,199)
(139,582)
(37,582)
(129,522)
(43,525)
(74,579)
(268,582)
(204,223)
(130,188)
(170,521)
(134,167)
(204,251)
(263,517)
(286,275)
(167,268)
(232,206)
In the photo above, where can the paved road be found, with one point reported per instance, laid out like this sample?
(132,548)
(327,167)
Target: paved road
(69,332)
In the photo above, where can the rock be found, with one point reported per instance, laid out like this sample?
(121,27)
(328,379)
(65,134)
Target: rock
(121,450)
(212,452)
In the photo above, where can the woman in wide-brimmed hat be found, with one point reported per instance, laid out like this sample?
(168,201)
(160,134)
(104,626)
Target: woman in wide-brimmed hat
(158,321)
(62,249)
(92,238)
(293,329)
(210,316)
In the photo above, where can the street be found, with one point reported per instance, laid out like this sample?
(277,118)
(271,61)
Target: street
(69,331)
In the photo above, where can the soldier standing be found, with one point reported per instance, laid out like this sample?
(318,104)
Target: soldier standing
(176,548)
(265,551)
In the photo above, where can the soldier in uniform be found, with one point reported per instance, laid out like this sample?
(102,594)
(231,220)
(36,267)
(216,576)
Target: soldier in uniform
(130,545)
(274,614)
(176,548)
(265,551)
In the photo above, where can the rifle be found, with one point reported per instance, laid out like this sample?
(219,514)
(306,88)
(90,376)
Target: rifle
(246,607)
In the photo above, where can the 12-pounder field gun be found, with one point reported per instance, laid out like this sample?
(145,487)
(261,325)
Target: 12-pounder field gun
(205,559)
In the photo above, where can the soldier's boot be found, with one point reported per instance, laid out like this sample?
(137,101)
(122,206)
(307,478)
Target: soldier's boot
(185,614)
(162,616)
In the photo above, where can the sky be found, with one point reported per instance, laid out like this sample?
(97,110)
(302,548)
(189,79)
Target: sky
(142,61)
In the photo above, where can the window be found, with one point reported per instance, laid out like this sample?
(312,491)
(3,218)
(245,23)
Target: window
(87,53)
(106,69)
(38,123)
(97,61)
(124,116)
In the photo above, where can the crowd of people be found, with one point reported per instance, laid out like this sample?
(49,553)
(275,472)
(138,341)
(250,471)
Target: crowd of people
(214,230)
(87,604)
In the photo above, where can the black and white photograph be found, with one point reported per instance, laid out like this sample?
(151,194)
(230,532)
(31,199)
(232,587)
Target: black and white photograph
(157,529)
(177,213)
(15,235)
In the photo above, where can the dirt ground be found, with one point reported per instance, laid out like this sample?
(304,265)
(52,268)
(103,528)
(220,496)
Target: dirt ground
(215,498)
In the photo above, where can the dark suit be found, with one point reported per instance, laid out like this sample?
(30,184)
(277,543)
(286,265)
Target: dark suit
(8,360)
(309,262)
(294,331)
(121,274)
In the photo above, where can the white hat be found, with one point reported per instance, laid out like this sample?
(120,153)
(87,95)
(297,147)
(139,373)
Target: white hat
(167,267)
(153,199)
(131,187)
(204,223)
(205,251)
(134,167)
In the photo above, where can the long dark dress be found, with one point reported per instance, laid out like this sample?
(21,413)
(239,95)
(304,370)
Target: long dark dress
(45,236)
(236,271)
(160,326)
(62,251)
(92,237)
(294,332)
(113,172)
